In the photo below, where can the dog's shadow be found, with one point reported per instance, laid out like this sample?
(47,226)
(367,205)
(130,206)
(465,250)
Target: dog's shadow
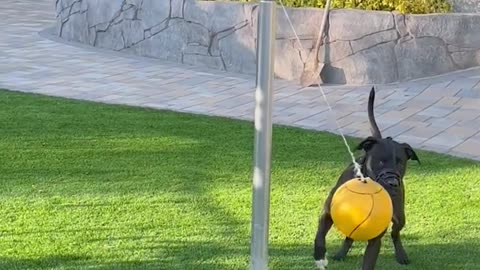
(452,256)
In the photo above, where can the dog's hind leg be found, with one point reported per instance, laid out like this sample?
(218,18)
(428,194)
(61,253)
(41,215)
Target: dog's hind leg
(398,224)
(324,225)
(342,253)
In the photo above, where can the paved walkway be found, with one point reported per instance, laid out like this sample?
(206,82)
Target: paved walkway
(440,114)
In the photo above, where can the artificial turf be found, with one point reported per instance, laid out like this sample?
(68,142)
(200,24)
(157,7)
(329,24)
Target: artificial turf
(92,186)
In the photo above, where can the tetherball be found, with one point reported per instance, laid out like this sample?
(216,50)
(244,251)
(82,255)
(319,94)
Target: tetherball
(361,210)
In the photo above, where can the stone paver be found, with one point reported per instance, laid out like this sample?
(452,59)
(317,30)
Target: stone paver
(468,148)
(440,114)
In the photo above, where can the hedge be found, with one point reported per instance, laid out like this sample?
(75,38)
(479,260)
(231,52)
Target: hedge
(403,6)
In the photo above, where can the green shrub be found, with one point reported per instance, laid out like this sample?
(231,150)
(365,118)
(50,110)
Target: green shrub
(403,6)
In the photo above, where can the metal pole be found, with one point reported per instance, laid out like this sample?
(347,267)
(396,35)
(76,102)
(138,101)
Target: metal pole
(263,135)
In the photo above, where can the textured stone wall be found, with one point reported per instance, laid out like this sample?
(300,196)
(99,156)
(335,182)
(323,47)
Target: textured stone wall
(362,47)
(466,6)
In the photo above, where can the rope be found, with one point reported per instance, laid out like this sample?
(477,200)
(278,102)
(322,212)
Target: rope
(357,167)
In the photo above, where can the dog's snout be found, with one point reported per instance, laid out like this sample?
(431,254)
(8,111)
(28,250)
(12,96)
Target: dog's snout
(389,178)
(392,182)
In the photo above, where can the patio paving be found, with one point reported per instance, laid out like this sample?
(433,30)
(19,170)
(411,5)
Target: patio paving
(440,114)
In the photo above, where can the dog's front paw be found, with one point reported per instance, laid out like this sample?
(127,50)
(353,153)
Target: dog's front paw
(321,264)
(402,258)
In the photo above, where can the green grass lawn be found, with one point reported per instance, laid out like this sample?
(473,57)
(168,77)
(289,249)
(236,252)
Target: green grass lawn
(90,186)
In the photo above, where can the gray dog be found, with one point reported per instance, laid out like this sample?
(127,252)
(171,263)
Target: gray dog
(384,161)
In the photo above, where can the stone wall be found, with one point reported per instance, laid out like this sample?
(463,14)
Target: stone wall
(362,47)
(466,6)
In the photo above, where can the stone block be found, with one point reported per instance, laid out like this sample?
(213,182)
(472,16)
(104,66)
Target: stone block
(173,40)
(414,141)
(130,14)
(465,6)
(422,57)
(400,24)
(196,48)
(288,64)
(334,51)
(111,39)
(345,24)
(65,5)
(434,146)
(466,59)
(76,29)
(358,68)
(469,93)
(306,21)
(216,16)
(449,101)
(441,122)
(465,114)
(202,59)
(370,41)
(132,32)
(453,48)
(177,8)
(396,130)
(415,119)
(438,111)
(153,12)
(76,7)
(445,140)
(443,91)
(461,132)
(100,11)
(425,132)
(238,51)
(454,29)
(137,3)
(468,103)
(470,147)
(465,82)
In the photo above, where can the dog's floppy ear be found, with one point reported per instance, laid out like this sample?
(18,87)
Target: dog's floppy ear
(367,144)
(410,152)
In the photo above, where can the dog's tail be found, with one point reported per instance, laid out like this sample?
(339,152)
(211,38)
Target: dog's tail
(371,117)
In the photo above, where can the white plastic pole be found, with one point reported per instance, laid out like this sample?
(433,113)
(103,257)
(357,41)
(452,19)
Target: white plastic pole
(263,135)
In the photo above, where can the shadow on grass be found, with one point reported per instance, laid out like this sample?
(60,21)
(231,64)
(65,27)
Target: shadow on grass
(465,255)
(48,126)
(212,255)
(42,263)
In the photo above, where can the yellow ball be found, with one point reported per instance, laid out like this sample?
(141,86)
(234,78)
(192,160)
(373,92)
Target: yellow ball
(361,211)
